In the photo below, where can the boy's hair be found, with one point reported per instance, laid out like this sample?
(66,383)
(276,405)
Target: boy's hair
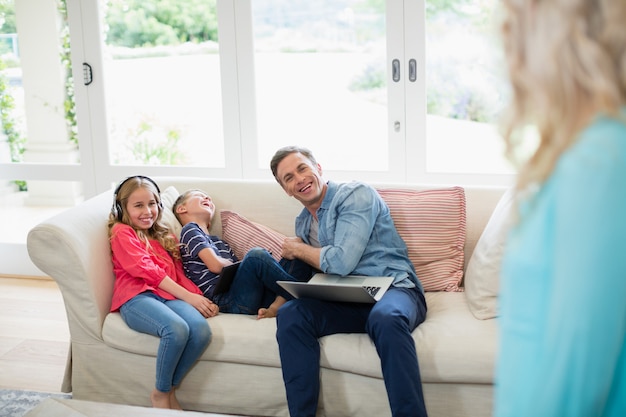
(182,199)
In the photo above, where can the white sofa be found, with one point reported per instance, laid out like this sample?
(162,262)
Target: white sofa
(240,371)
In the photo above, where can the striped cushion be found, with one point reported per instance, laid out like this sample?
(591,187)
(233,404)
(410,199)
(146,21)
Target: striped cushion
(432,224)
(243,235)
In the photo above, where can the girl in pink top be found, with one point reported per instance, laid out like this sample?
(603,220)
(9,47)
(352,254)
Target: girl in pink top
(151,291)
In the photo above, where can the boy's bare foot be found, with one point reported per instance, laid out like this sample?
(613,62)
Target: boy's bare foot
(174,404)
(272,310)
(266,313)
(160,399)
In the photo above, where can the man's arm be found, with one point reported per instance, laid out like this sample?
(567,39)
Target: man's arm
(295,248)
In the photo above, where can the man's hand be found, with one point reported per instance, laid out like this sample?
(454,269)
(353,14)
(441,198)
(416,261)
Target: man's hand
(290,247)
(295,248)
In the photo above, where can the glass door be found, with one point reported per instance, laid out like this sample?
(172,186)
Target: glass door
(322,80)
(162,83)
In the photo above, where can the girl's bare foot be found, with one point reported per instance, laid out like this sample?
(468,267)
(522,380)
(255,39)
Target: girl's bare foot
(160,399)
(174,404)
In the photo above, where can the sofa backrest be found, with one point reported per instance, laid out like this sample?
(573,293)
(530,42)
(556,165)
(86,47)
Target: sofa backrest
(73,247)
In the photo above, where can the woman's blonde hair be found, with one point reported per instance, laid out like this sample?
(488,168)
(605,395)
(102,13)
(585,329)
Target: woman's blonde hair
(567,63)
(158,231)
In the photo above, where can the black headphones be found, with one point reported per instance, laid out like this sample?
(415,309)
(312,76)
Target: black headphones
(116,209)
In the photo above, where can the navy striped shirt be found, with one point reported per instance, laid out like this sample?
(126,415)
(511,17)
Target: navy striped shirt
(193,239)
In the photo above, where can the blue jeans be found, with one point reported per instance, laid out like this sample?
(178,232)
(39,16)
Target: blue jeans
(184,334)
(389,324)
(254,285)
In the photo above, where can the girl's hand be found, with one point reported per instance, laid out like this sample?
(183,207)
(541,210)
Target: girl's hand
(205,306)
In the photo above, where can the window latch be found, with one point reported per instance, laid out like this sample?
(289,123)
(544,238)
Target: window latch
(412,70)
(395,70)
(87,74)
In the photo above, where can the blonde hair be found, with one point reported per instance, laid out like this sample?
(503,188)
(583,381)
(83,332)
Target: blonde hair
(567,63)
(158,231)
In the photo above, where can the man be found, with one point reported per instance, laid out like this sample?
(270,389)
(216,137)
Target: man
(347,229)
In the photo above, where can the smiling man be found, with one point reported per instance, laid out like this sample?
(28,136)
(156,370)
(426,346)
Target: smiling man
(347,229)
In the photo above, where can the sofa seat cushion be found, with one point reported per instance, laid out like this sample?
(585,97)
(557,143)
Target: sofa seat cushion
(236,338)
(452,345)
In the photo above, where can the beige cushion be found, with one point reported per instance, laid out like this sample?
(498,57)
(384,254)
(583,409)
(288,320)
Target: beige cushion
(432,224)
(482,278)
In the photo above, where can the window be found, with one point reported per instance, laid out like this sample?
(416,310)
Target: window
(380,90)
(321,81)
(465,88)
(163,85)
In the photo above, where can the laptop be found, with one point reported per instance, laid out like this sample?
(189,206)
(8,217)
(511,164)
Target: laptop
(226,278)
(351,288)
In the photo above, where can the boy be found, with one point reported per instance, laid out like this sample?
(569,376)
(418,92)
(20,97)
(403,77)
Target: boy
(254,289)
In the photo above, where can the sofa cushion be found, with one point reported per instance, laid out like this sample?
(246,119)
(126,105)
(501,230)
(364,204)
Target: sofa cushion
(452,346)
(432,224)
(243,235)
(482,277)
(236,338)
(168,198)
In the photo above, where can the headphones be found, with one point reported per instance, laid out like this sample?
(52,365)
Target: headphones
(116,209)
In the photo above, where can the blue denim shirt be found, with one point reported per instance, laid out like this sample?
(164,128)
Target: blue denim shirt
(357,235)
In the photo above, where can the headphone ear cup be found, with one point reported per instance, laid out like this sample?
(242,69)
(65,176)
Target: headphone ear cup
(118,211)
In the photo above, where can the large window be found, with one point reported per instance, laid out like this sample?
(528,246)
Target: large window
(465,89)
(321,80)
(162,88)
(381,90)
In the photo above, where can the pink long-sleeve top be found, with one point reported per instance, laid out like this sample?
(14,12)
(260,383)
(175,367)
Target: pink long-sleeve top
(138,269)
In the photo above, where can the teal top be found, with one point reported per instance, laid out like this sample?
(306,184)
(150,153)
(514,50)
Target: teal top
(563,291)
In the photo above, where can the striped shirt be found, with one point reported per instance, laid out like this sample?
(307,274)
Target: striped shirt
(193,240)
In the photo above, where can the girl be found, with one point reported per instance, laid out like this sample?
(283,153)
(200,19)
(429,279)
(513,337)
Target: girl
(151,291)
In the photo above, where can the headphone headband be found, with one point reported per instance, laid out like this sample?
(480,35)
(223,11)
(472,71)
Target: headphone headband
(143,177)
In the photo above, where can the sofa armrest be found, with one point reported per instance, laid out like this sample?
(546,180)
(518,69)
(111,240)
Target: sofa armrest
(73,249)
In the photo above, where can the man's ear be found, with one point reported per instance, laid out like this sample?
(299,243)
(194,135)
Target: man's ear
(181,209)
(319,169)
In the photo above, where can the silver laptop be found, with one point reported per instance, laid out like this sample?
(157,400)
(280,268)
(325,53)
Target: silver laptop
(351,288)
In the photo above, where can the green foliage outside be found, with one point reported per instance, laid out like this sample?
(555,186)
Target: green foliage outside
(69,104)
(7,103)
(154,144)
(144,23)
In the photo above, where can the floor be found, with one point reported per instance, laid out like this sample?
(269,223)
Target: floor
(34,336)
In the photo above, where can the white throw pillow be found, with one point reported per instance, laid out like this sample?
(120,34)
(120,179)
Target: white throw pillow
(168,198)
(482,277)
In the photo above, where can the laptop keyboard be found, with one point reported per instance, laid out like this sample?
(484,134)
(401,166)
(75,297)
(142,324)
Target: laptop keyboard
(372,290)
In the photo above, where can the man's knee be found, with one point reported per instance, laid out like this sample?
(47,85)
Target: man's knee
(387,321)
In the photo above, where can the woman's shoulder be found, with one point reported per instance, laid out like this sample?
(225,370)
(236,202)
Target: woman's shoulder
(601,146)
